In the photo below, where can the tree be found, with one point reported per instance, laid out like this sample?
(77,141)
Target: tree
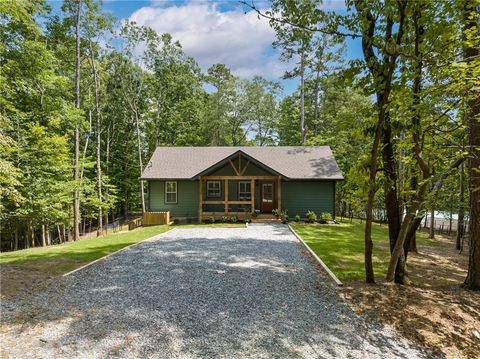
(471,35)
(295,41)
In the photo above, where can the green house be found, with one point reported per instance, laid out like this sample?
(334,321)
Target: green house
(196,183)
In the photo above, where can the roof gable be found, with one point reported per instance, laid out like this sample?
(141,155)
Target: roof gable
(292,162)
(232,157)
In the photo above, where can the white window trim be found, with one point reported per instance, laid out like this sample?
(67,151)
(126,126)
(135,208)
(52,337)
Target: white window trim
(239,184)
(166,192)
(219,188)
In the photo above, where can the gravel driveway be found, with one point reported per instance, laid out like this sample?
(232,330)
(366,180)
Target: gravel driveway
(199,293)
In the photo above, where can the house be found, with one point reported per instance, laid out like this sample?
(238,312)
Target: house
(199,182)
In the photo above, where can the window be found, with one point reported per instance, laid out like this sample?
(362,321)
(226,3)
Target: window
(244,190)
(170,192)
(213,189)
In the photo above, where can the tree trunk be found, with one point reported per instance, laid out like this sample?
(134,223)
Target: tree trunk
(140,162)
(473,123)
(76,198)
(16,238)
(303,131)
(461,210)
(431,230)
(450,219)
(369,275)
(398,250)
(44,238)
(316,109)
(392,203)
(107,156)
(411,241)
(64,233)
(98,142)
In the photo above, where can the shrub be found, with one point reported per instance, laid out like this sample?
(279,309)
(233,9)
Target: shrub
(233,219)
(326,216)
(311,216)
(284,216)
(297,218)
(211,219)
(224,219)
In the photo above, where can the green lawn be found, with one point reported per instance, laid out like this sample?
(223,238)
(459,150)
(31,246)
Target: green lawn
(59,259)
(341,247)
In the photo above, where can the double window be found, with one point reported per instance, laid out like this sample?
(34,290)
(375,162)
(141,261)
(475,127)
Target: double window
(171,192)
(244,190)
(214,189)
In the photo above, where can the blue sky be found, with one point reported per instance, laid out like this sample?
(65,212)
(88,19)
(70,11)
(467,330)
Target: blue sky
(217,32)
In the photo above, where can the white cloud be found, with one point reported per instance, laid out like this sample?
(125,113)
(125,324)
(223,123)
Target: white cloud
(239,40)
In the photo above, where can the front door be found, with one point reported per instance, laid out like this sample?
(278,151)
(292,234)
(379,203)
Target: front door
(267,197)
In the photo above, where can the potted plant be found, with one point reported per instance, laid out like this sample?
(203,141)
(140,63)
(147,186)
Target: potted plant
(276,213)
(253,215)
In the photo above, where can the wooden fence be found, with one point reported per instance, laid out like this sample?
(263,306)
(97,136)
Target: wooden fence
(154,218)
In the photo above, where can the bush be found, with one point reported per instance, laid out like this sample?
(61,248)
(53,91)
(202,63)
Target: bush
(284,216)
(233,219)
(211,219)
(326,216)
(297,218)
(311,216)
(224,219)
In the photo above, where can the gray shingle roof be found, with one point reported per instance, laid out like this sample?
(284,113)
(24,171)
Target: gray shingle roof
(293,162)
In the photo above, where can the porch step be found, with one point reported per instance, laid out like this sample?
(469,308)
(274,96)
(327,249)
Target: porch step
(265,218)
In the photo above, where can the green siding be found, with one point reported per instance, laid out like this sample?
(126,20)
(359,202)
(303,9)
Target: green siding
(187,199)
(302,196)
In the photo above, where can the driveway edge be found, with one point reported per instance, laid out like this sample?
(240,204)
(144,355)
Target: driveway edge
(113,253)
(317,258)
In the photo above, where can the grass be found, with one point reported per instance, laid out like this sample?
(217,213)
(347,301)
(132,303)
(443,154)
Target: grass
(341,247)
(62,258)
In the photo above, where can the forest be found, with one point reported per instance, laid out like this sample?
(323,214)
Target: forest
(86,98)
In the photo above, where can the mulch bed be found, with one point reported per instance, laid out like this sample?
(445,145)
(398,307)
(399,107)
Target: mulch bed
(435,311)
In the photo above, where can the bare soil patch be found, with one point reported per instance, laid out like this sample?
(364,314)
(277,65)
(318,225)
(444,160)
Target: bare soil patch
(435,311)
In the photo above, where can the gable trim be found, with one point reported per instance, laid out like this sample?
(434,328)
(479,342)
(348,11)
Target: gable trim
(232,156)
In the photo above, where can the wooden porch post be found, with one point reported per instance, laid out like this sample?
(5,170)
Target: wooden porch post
(252,194)
(279,196)
(225,203)
(200,199)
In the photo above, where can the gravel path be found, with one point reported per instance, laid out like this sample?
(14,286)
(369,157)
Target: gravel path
(198,293)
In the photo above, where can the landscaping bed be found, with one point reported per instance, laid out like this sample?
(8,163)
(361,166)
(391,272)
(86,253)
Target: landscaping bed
(434,311)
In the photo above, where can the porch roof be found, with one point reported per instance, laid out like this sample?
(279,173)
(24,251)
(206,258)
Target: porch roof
(292,162)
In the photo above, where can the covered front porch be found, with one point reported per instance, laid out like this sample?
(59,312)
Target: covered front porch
(238,196)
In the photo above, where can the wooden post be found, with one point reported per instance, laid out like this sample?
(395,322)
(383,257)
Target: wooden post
(225,203)
(252,194)
(279,193)
(200,199)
